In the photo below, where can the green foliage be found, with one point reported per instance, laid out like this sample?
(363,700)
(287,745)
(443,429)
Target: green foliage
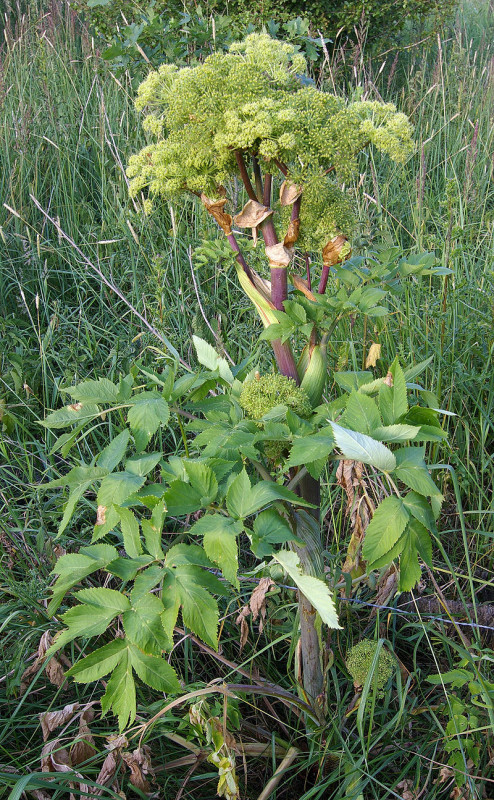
(470,706)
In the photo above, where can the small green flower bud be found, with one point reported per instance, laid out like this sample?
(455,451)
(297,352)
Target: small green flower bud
(359,662)
(264,393)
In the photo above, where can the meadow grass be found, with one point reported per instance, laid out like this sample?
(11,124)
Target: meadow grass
(67,127)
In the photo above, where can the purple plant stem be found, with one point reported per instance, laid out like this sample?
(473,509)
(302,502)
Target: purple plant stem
(296,209)
(324,279)
(245,175)
(285,360)
(257,178)
(266,195)
(279,287)
(241,260)
(307,269)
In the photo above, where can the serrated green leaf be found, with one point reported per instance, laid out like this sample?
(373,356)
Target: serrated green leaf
(352,380)
(238,494)
(83,621)
(143,626)
(117,487)
(76,477)
(152,539)
(170,598)
(314,589)
(220,543)
(99,391)
(154,671)
(203,480)
(418,507)
(393,403)
(266,492)
(209,358)
(410,572)
(130,532)
(150,410)
(107,599)
(101,528)
(99,663)
(73,567)
(199,609)
(127,568)
(120,693)
(112,454)
(181,498)
(192,554)
(75,413)
(269,529)
(309,448)
(412,470)
(359,447)
(361,413)
(385,528)
(395,433)
(141,465)
(146,581)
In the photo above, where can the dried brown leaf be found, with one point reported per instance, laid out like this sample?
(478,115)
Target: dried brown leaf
(53,668)
(388,380)
(75,406)
(331,253)
(100,515)
(278,255)
(83,747)
(405,788)
(139,763)
(289,192)
(445,773)
(57,759)
(252,214)
(387,586)
(373,354)
(215,208)
(108,769)
(51,720)
(257,601)
(244,628)
(292,233)
(359,510)
(302,286)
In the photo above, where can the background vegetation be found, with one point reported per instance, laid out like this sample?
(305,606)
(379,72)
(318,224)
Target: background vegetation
(67,127)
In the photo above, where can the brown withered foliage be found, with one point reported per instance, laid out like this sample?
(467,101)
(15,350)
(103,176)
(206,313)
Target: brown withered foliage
(54,667)
(289,192)
(139,763)
(215,208)
(331,253)
(256,607)
(373,354)
(359,510)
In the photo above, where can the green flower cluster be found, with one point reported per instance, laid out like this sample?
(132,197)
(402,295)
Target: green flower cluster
(325,212)
(359,662)
(264,393)
(255,99)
